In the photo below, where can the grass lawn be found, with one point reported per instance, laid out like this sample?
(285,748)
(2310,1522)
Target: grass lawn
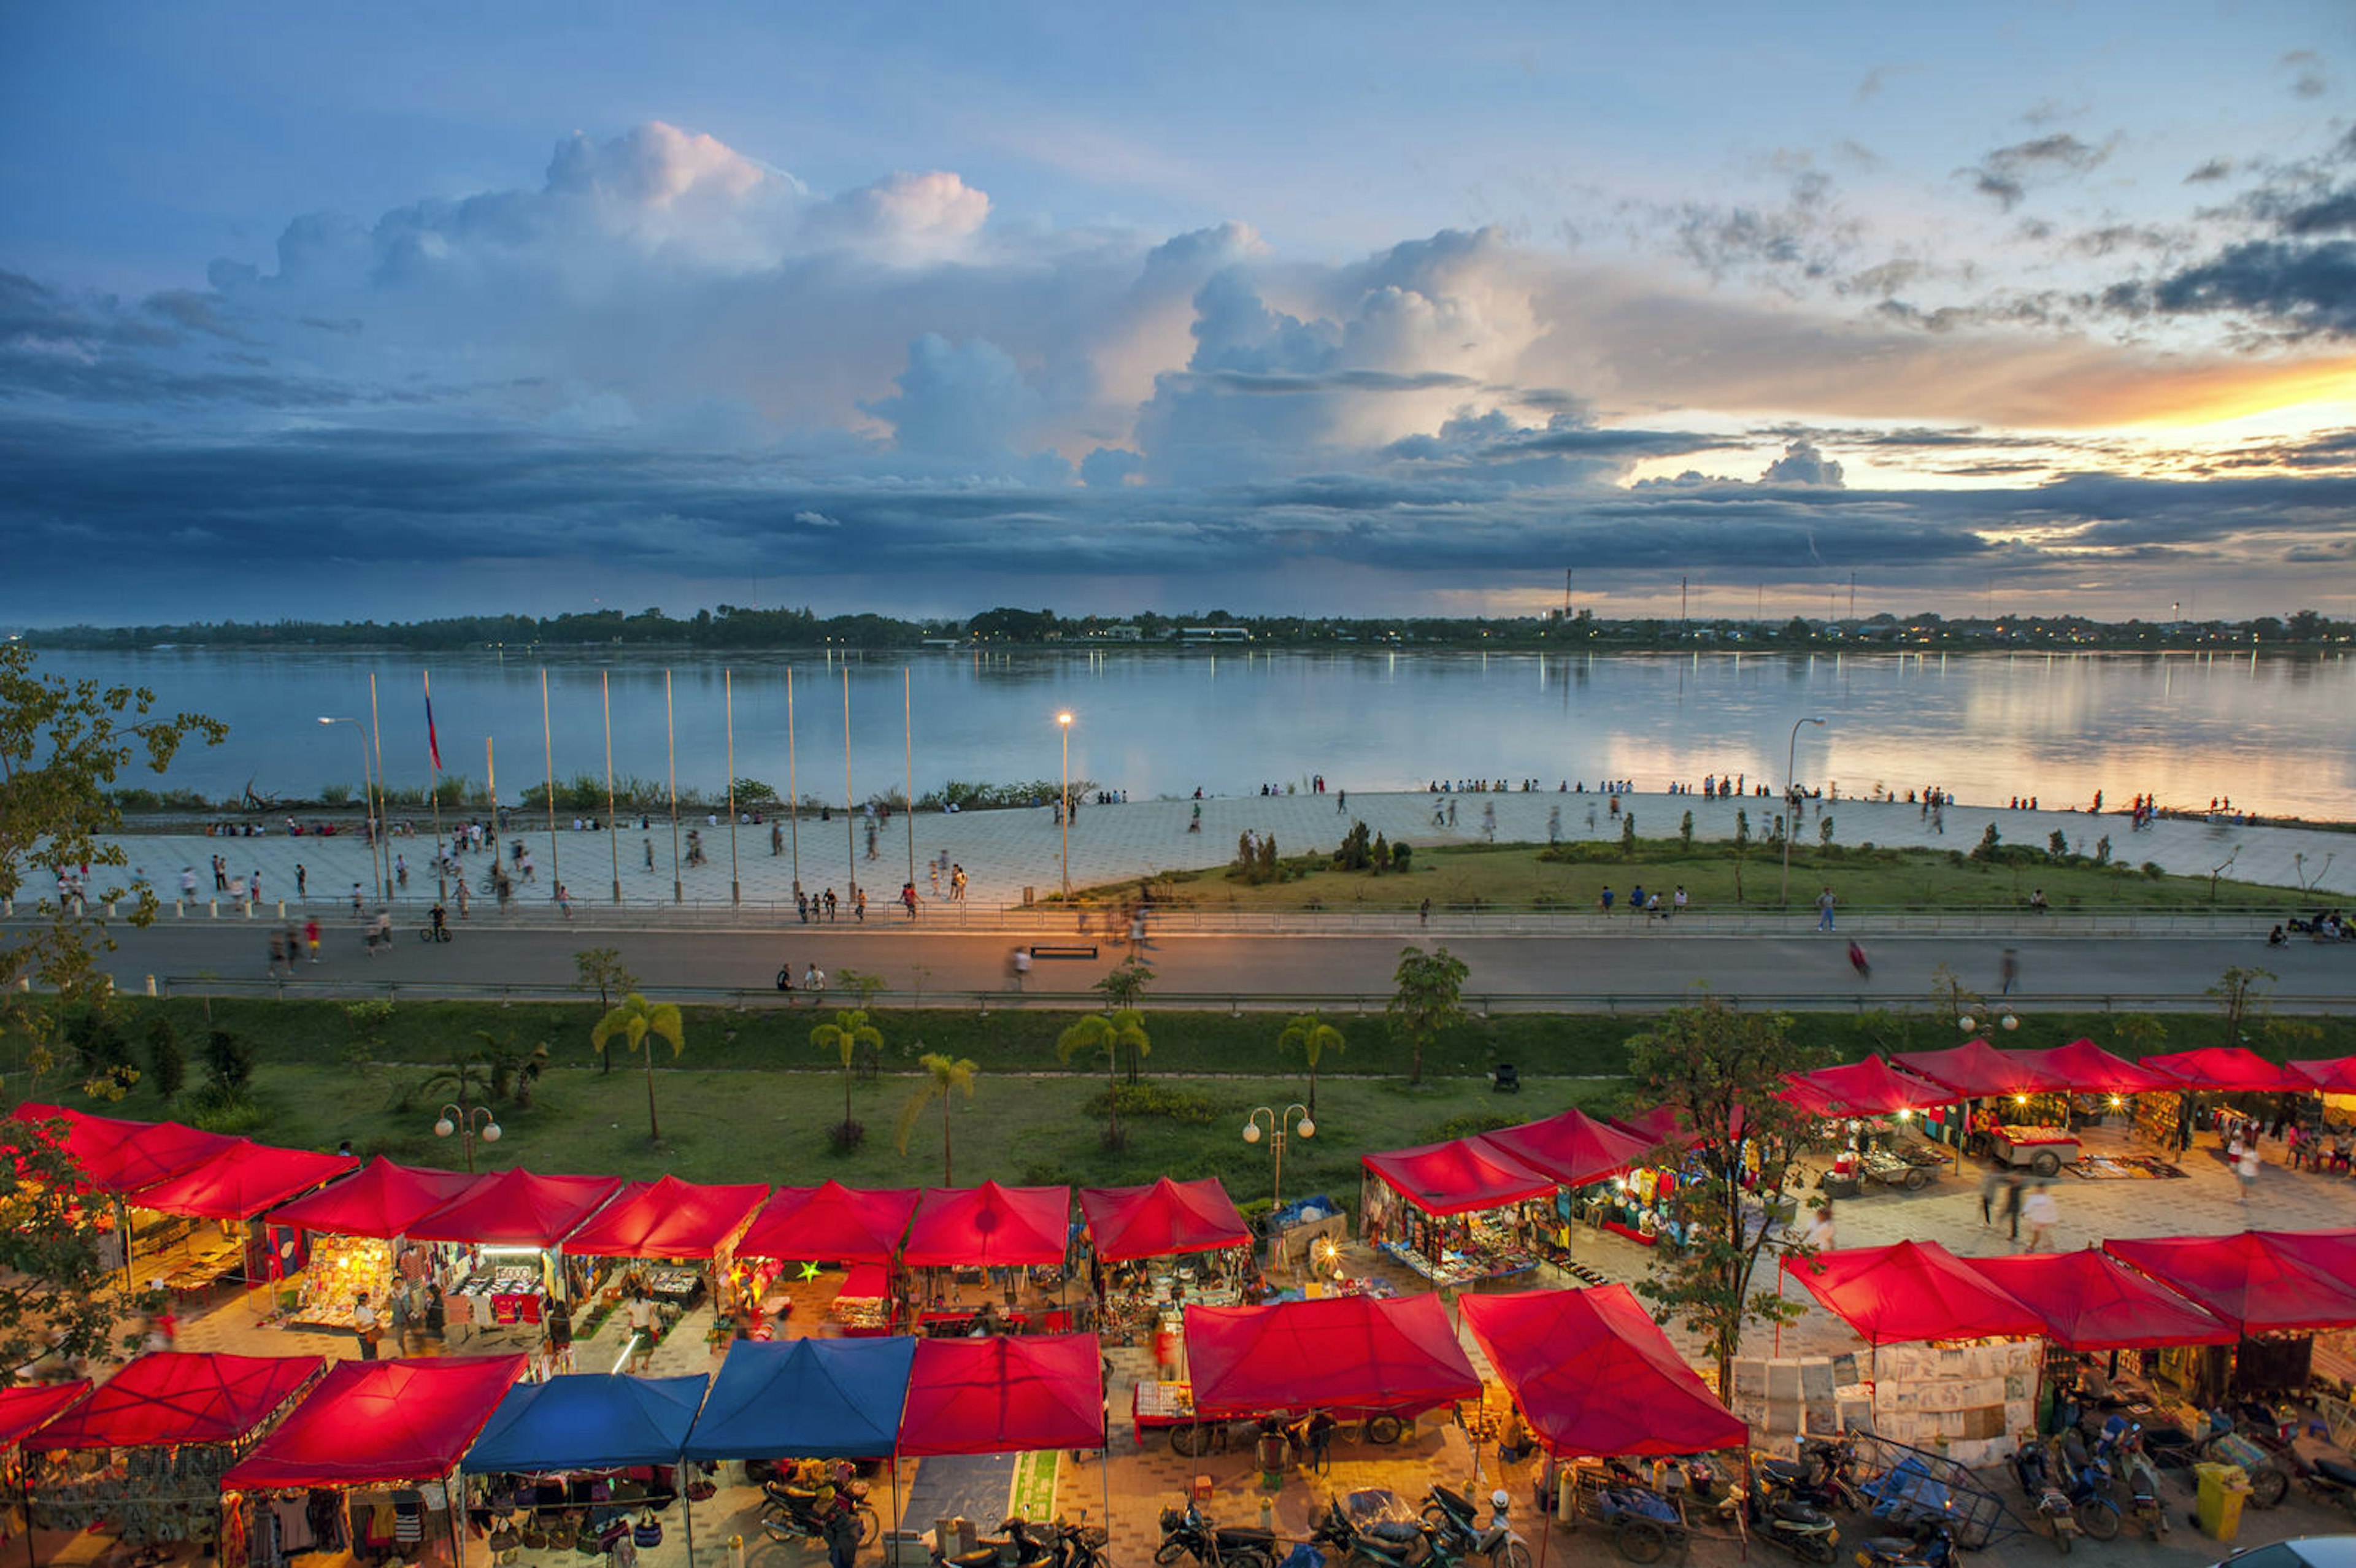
(1574,875)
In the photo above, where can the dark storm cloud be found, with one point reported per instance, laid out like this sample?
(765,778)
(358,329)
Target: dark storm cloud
(2296,291)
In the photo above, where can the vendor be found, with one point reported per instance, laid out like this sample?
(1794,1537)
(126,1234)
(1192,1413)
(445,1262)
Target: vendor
(1981,1137)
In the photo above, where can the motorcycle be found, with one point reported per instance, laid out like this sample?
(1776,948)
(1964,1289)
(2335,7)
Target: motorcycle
(1080,1544)
(1453,1516)
(1373,1529)
(1186,1533)
(1014,1540)
(2065,1501)
(1825,1474)
(2329,1480)
(789,1512)
(1800,1529)
(2120,1447)
(1933,1546)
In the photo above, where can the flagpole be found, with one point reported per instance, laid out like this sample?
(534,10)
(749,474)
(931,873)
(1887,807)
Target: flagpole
(728,706)
(605,699)
(384,808)
(793,785)
(908,735)
(850,807)
(671,745)
(548,751)
(491,772)
(434,758)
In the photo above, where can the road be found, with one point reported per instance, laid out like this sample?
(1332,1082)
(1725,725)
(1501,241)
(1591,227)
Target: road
(1807,971)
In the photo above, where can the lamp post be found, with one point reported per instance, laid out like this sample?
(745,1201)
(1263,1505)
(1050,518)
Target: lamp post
(1063,722)
(1298,1117)
(372,794)
(462,1121)
(1791,812)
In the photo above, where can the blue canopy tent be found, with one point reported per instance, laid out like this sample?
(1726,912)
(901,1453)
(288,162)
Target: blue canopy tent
(587,1421)
(822,1399)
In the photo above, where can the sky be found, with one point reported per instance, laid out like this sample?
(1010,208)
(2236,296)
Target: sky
(331,310)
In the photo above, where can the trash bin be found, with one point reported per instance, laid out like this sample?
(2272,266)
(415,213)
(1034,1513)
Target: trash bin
(1270,1453)
(2219,1508)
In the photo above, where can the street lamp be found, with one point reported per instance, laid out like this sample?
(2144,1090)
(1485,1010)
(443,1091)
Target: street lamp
(1299,1116)
(372,794)
(1063,722)
(1791,809)
(456,1119)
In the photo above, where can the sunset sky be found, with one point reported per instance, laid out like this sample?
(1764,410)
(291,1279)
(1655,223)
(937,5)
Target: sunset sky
(326,311)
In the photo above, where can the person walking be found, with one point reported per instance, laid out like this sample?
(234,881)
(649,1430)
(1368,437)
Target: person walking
(2245,1168)
(1824,904)
(2012,1204)
(2040,1211)
(1990,1185)
(1019,964)
(2008,972)
(365,1324)
(311,936)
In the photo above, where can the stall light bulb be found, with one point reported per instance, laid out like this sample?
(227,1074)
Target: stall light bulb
(1966,1023)
(490,1132)
(444,1127)
(2008,1022)
(1904,1115)
(1251,1132)
(2021,1099)
(2117,1102)
(1307,1128)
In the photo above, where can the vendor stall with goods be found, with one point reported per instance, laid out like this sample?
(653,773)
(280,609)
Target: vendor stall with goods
(1154,1249)
(671,1240)
(994,1258)
(830,1226)
(1453,1212)
(501,1257)
(339,1244)
(1595,1166)
(230,1189)
(591,1455)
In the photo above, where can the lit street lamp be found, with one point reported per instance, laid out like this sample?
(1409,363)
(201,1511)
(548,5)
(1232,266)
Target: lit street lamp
(1791,805)
(1063,722)
(1299,1116)
(456,1119)
(372,796)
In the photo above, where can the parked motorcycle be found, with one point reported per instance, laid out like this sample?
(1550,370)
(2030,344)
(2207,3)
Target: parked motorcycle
(1824,1476)
(1454,1519)
(1079,1544)
(1186,1532)
(1800,1527)
(789,1512)
(2120,1448)
(2065,1499)
(1373,1529)
(1932,1546)
(1015,1541)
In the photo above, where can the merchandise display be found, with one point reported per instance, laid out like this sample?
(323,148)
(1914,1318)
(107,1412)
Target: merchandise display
(342,1270)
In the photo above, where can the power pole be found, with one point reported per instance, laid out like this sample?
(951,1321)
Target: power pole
(1681,600)
(1852,595)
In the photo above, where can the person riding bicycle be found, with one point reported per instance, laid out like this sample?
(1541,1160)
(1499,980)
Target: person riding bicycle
(440,921)
(1856,959)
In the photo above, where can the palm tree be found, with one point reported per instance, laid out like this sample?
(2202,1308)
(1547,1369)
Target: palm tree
(845,1035)
(633,1021)
(1107,1033)
(1312,1037)
(943,1075)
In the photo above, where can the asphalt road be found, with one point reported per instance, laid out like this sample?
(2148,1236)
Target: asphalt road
(1803,971)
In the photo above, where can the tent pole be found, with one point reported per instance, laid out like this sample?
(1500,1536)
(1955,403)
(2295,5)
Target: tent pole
(454,1494)
(687,1509)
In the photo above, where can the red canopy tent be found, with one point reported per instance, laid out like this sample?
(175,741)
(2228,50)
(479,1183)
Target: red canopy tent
(1593,1374)
(118,1156)
(381,1201)
(667,1218)
(1165,1218)
(1573,1148)
(24,1410)
(1004,1395)
(2091,1301)
(2088,1069)
(373,1422)
(1348,1352)
(1912,1290)
(832,1223)
(989,1226)
(172,1397)
(2331,1251)
(1457,1177)
(2249,1280)
(1978,1070)
(2336,1075)
(241,1181)
(2228,1067)
(1867,1088)
(517,1209)
(1662,1124)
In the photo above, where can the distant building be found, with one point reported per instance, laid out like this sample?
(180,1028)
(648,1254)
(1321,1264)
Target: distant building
(1214,634)
(1126,631)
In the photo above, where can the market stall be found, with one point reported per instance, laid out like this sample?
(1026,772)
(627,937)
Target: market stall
(1594,1165)
(2263,1286)
(2092,1305)
(2093,1082)
(23,1412)
(1353,1356)
(1003,1396)
(117,1157)
(503,1242)
(672,1239)
(369,1461)
(853,1228)
(142,1458)
(1593,1374)
(2015,1112)
(231,1189)
(341,1239)
(1138,1236)
(580,1453)
(1453,1212)
(983,1241)
(827,1398)
(1869,1105)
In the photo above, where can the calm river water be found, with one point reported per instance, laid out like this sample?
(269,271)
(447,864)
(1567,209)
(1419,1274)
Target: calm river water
(2277,735)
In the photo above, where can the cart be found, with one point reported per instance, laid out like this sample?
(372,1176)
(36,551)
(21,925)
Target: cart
(1898,1169)
(2044,1150)
(1170,1407)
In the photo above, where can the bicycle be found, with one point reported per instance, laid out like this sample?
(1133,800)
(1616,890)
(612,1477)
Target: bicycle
(433,933)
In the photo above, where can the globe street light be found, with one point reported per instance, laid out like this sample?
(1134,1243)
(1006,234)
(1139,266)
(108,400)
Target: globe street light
(1301,1123)
(1790,808)
(456,1119)
(1063,722)
(372,793)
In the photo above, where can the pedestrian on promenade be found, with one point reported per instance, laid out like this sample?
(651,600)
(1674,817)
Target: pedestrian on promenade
(908,897)
(2040,1211)
(2008,972)
(2012,1202)
(1018,965)
(1824,903)
(2245,1168)
(311,936)
(302,882)
(1989,1185)
(801,904)
(1423,915)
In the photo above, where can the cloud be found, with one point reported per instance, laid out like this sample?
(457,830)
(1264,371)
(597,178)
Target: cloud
(2210,170)
(2298,291)
(1802,463)
(2306,67)
(2007,173)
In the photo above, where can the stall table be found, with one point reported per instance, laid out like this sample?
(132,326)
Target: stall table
(2044,1150)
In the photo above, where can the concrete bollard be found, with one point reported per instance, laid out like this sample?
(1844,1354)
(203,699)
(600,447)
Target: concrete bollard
(249,909)
(151,985)
(282,908)
(109,909)
(179,909)
(212,908)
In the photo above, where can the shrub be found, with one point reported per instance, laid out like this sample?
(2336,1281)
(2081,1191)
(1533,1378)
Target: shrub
(1138,1100)
(1989,842)
(229,1059)
(1401,853)
(2103,851)
(846,1137)
(166,1068)
(1468,1123)
(2153,869)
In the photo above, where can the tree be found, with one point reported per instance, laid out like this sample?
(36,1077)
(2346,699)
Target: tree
(229,1062)
(861,985)
(1723,1072)
(62,743)
(1123,986)
(1627,835)
(602,971)
(634,1020)
(1990,842)
(2238,991)
(1312,1037)
(944,1076)
(1429,998)
(513,1069)
(1106,1033)
(1741,849)
(1685,832)
(167,1069)
(57,1295)
(844,1035)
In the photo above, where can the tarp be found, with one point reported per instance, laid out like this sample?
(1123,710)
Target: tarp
(2091,1301)
(1004,1395)
(2252,1282)
(1571,1147)
(25,1410)
(2335,1076)
(2091,1070)
(2228,1067)
(376,1422)
(588,1421)
(1348,1352)
(667,1218)
(383,1200)
(517,1209)
(1867,1088)
(1457,1177)
(989,1226)
(118,1155)
(241,1181)
(1593,1374)
(831,1223)
(1912,1290)
(1978,1070)
(1165,1218)
(827,1398)
(175,1397)
(1661,1126)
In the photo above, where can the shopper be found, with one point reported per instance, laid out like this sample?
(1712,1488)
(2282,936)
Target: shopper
(365,1324)
(2040,1211)
(2245,1168)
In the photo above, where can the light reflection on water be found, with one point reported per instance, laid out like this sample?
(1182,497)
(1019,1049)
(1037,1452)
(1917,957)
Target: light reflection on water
(2277,735)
